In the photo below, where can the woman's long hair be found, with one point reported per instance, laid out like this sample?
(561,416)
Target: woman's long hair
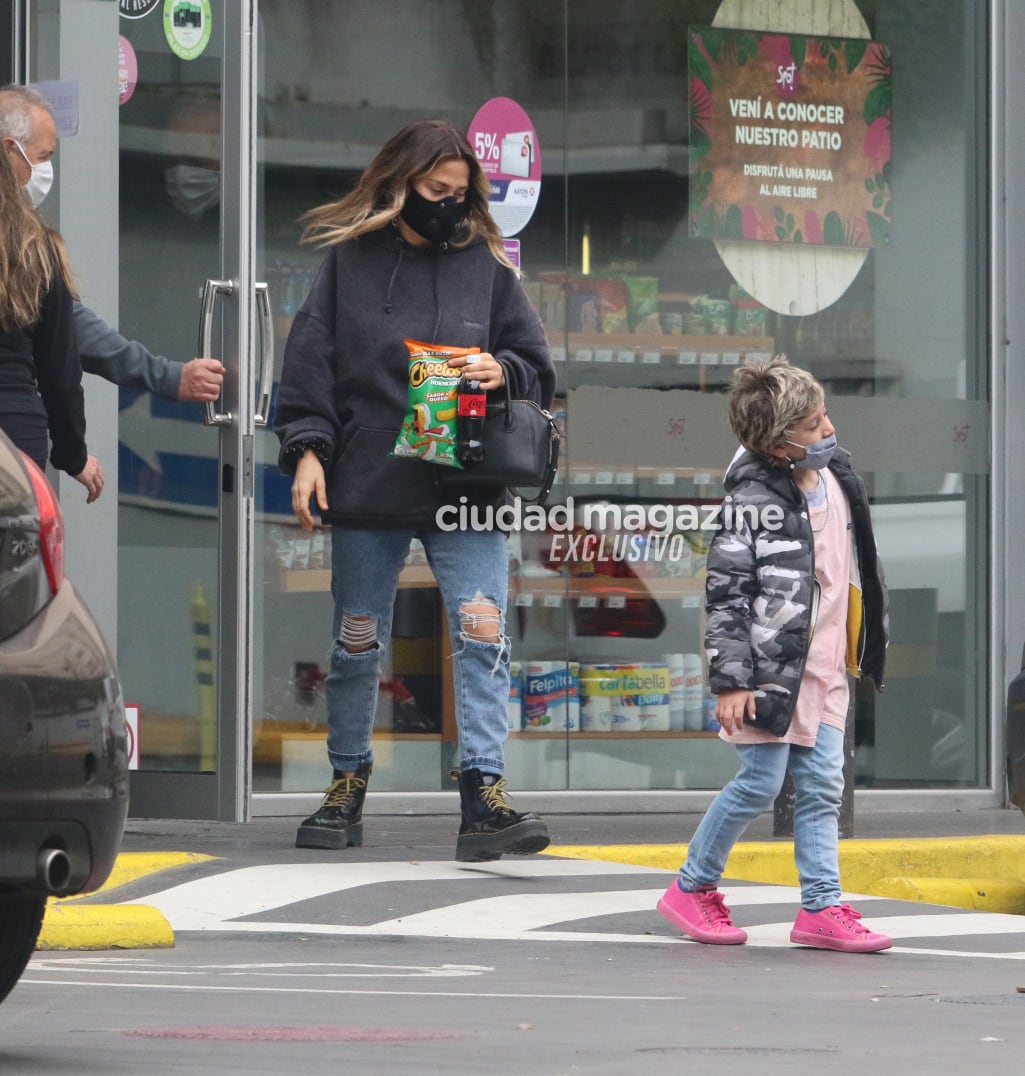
(381,192)
(31,254)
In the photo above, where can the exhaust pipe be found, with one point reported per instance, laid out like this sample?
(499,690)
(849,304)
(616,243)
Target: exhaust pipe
(53,869)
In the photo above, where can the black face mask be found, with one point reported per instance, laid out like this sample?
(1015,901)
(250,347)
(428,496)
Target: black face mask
(435,221)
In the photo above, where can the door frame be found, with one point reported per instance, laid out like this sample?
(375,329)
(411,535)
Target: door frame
(225,793)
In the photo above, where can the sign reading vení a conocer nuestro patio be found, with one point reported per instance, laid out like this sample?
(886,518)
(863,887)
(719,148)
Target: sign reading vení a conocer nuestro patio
(789,138)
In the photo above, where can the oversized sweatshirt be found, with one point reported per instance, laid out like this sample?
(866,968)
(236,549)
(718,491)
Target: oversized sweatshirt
(344,378)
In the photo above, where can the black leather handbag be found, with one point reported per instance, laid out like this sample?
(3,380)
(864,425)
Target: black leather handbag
(521,450)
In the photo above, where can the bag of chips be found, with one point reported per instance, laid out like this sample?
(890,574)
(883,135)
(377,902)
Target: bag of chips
(429,427)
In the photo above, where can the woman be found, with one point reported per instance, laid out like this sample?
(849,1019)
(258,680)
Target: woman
(413,253)
(40,372)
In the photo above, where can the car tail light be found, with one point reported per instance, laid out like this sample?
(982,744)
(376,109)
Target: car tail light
(51,525)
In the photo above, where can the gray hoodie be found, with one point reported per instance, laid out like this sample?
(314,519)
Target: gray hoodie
(344,378)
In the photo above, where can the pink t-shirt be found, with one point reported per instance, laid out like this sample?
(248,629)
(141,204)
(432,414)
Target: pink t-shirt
(823,696)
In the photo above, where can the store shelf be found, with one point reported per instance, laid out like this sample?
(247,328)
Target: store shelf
(599,482)
(315,580)
(657,361)
(635,348)
(636,735)
(606,587)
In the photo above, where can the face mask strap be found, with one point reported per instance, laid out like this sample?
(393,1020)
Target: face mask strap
(40,178)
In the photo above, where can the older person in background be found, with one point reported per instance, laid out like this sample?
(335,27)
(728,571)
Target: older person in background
(28,129)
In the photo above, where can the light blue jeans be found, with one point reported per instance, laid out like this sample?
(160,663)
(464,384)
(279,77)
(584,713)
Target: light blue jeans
(818,783)
(470,567)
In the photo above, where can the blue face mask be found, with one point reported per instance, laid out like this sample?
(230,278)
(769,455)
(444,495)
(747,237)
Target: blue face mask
(816,455)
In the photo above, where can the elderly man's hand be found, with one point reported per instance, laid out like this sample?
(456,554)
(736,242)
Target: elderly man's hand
(201,380)
(91,476)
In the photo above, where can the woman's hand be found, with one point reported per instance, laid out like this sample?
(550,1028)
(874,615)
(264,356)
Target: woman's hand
(730,708)
(91,476)
(484,368)
(308,482)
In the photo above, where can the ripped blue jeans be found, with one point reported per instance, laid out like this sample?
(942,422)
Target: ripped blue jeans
(472,571)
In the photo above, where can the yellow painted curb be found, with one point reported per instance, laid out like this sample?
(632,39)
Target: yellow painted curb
(104,926)
(983,873)
(980,894)
(70,923)
(131,866)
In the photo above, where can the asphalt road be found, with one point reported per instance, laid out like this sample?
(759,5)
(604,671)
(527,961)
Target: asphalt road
(384,962)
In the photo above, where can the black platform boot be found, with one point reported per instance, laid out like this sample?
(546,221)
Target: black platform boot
(339,822)
(490,827)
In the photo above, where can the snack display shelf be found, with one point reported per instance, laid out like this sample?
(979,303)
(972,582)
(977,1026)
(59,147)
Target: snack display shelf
(314,580)
(590,481)
(609,588)
(642,734)
(658,361)
(636,349)
(599,587)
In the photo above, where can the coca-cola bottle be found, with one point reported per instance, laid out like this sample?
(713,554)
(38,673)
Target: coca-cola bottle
(471,407)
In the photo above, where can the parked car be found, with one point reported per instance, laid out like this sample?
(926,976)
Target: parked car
(63,744)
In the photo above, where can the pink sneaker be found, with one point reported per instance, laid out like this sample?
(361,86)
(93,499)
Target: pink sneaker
(701,915)
(837,927)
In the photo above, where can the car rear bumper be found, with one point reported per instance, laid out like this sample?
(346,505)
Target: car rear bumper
(63,750)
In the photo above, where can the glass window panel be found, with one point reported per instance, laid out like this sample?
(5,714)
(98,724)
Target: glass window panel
(646,326)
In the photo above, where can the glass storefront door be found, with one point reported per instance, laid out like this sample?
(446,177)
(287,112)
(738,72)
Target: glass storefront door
(186,470)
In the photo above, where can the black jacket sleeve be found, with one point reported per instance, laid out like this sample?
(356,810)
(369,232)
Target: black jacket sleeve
(59,377)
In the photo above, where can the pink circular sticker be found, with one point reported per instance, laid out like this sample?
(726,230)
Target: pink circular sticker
(505,143)
(127,70)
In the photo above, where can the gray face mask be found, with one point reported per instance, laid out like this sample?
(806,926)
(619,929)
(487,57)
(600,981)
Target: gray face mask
(816,455)
(192,189)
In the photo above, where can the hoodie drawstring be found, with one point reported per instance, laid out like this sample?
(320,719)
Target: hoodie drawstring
(437,303)
(388,308)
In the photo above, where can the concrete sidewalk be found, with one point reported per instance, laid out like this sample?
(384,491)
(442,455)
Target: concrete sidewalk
(968,858)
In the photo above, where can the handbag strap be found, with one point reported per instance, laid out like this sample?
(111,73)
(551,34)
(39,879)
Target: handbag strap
(553,462)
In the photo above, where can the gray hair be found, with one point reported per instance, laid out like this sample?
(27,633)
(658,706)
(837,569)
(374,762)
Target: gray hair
(767,399)
(16,104)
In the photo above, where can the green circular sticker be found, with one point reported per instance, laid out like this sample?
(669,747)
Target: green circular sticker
(187,26)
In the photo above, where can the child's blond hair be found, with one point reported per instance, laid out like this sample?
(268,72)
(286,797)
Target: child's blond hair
(767,399)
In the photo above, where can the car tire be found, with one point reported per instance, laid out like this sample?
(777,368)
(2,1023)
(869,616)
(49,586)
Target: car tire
(21,916)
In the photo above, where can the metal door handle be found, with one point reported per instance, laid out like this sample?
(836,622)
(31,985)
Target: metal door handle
(267,363)
(211,416)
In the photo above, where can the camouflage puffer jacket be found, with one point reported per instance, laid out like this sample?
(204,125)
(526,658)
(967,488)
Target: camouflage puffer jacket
(761,591)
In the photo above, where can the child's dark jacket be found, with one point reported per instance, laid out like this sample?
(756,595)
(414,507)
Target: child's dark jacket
(760,593)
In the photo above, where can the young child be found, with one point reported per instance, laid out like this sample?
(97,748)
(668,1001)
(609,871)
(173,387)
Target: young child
(795,601)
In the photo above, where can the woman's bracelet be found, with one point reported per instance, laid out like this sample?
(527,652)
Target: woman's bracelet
(295,451)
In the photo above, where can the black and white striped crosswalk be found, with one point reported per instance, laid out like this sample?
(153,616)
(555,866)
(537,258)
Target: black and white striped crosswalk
(542,898)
